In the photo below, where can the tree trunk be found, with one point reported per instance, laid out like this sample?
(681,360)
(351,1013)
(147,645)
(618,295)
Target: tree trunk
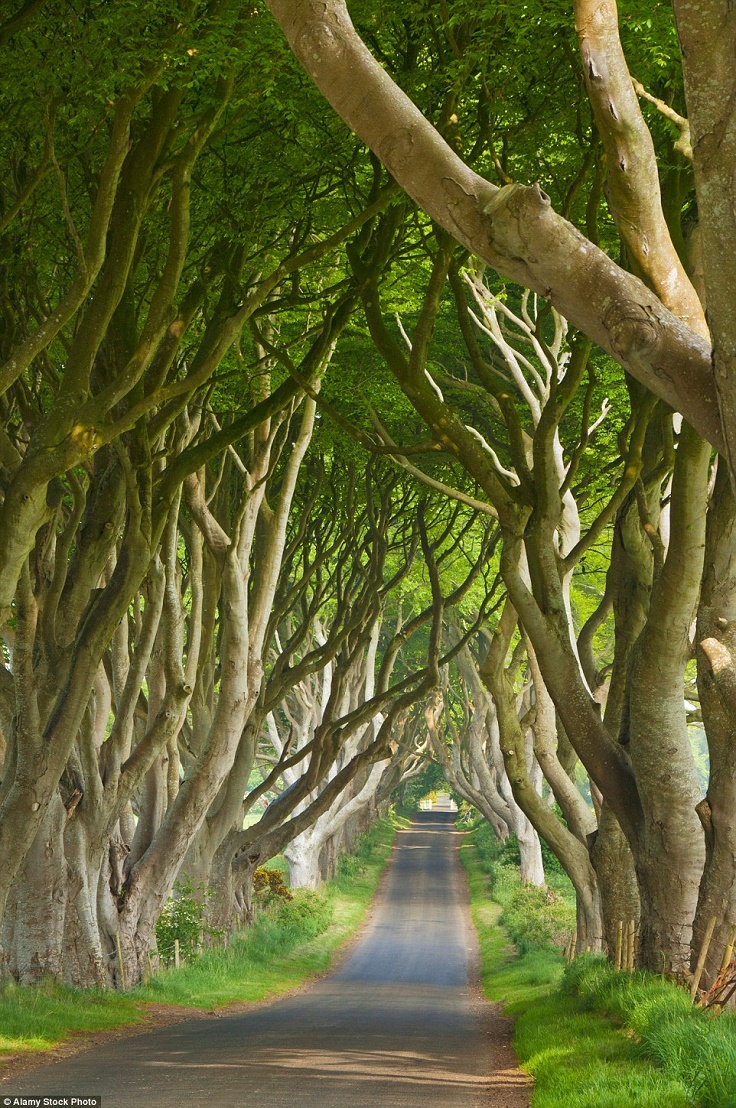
(531,866)
(40,903)
(614,864)
(86,964)
(707,32)
(716,657)
(303,856)
(567,848)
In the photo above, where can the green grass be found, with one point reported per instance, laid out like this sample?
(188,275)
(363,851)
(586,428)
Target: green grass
(37,1019)
(267,960)
(690,1045)
(579,1058)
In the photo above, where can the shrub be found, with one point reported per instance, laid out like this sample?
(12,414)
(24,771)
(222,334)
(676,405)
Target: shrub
(349,865)
(269,885)
(365,845)
(355,862)
(487,845)
(538,919)
(182,918)
(307,913)
(509,853)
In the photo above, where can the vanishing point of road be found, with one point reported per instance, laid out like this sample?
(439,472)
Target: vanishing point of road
(399,1024)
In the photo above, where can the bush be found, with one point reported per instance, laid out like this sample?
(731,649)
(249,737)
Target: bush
(509,853)
(487,845)
(307,913)
(355,862)
(269,885)
(690,1045)
(538,919)
(349,865)
(182,918)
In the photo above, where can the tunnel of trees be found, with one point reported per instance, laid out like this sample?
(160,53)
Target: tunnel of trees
(367,405)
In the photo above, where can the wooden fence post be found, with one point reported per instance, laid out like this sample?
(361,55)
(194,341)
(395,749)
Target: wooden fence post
(630,941)
(702,956)
(121,965)
(728,952)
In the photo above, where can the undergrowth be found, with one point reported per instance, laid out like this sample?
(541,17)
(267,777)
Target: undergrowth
(536,919)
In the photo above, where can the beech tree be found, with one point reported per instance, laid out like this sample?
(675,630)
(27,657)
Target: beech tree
(650,320)
(124,297)
(317,458)
(659,336)
(474,765)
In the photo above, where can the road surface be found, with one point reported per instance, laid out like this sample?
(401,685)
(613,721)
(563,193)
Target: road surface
(399,1023)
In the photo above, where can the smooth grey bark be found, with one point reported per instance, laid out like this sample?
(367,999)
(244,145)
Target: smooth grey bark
(33,942)
(716,658)
(669,850)
(707,33)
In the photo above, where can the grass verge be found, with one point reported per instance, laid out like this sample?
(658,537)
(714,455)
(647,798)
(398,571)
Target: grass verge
(579,1057)
(279,953)
(690,1045)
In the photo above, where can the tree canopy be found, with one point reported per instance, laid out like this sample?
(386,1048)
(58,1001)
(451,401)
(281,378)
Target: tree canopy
(367,405)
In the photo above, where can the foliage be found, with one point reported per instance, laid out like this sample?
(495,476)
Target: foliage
(269,885)
(488,846)
(538,918)
(349,865)
(280,146)
(307,913)
(182,918)
(368,848)
(417,787)
(354,862)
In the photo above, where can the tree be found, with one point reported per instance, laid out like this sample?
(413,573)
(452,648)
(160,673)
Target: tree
(660,336)
(215,500)
(129,285)
(515,230)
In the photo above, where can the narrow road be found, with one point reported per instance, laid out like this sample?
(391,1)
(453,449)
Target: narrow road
(398,1024)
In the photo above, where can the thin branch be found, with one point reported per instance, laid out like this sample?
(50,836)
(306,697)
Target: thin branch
(684,144)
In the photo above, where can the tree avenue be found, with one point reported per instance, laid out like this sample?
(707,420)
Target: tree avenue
(326,456)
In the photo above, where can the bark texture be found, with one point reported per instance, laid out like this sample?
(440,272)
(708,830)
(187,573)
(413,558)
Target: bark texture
(707,33)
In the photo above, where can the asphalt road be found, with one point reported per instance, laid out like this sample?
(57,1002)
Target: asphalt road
(399,1023)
